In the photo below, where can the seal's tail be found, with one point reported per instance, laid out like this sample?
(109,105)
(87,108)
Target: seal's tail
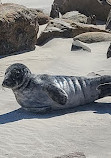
(105,89)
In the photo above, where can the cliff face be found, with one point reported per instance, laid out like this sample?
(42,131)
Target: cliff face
(86,7)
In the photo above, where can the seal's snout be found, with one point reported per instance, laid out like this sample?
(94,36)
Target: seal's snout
(6,83)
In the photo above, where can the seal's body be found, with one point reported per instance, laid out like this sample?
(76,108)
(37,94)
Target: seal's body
(39,93)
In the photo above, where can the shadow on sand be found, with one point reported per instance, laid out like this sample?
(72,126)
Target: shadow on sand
(16,53)
(19,114)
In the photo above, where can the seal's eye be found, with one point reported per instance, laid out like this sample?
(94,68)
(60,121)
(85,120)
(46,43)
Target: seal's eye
(15,74)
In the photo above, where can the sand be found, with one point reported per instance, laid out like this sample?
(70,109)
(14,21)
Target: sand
(84,129)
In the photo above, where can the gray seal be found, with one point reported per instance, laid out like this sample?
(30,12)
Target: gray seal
(41,93)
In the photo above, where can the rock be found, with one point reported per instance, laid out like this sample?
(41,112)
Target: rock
(75,16)
(65,28)
(87,7)
(73,155)
(54,11)
(105,2)
(108,2)
(109,51)
(108,23)
(77,45)
(18,28)
(41,17)
(93,37)
(91,20)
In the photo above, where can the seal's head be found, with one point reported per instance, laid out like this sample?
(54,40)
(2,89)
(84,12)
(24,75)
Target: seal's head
(15,76)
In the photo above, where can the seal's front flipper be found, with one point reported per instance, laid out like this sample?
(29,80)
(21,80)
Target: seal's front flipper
(105,89)
(56,94)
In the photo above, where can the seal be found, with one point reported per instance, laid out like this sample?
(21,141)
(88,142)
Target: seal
(41,93)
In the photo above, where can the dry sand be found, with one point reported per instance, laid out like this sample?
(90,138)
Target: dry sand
(83,129)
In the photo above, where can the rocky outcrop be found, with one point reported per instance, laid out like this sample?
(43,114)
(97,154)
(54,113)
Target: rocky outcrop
(87,7)
(93,37)
(75,16)
(65,28)
(18,29)
(73,155)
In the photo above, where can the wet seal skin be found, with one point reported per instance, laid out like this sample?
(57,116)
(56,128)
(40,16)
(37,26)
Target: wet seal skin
(43,93)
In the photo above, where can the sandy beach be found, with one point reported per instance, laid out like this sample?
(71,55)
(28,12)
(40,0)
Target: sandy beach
(84,129)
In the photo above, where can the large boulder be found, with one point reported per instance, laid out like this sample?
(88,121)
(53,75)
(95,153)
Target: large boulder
(65,28)
(18,28)
(93,37)
(87,7)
